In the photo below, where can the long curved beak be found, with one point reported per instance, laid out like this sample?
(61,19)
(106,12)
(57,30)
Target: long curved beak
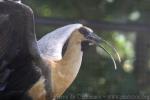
(95,39)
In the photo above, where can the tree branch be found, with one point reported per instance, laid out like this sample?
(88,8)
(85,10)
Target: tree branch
(98,25)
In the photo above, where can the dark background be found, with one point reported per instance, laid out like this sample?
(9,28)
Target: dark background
(125,24)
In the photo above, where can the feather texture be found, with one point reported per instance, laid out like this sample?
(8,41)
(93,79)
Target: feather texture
(51,44)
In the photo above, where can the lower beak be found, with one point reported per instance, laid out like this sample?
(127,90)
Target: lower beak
(95,39)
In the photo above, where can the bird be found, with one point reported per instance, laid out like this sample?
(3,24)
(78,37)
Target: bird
(43,69)
(65,67)
(21,64)
(63,49)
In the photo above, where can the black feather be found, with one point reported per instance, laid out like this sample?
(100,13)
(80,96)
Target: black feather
(19,54)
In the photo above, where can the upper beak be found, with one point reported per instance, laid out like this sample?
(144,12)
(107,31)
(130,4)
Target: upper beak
(95,39)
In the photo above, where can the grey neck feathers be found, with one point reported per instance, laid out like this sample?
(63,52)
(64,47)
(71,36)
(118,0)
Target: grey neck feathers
(51,44)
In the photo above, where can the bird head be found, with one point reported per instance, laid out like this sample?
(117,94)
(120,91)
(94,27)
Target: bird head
(90,38)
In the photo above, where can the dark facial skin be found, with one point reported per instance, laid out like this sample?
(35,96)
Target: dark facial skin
(84,45)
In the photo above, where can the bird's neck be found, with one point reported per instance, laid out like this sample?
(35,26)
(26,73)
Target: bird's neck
(65,70)
(73,56)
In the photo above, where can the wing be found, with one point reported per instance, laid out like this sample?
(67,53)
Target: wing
(20,61)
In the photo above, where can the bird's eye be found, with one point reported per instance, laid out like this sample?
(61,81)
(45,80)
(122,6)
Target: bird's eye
(84,31)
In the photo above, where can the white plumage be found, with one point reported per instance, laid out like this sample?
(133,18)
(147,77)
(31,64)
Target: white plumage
(51,44)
